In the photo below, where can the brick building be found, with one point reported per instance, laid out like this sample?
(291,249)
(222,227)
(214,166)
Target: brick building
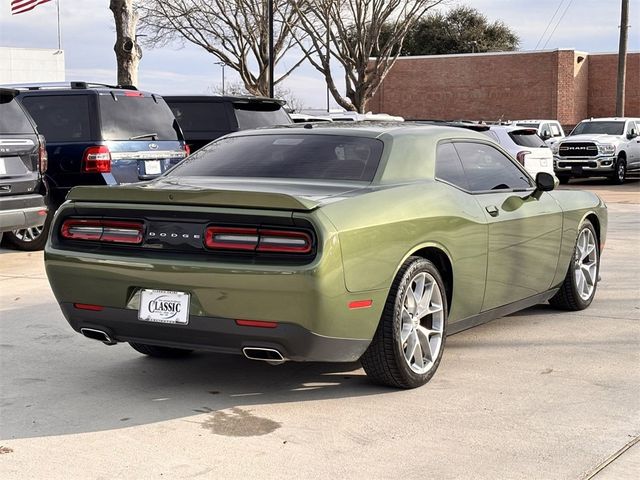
(556,84)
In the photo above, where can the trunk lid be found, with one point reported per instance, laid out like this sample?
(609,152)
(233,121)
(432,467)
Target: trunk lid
(225,192)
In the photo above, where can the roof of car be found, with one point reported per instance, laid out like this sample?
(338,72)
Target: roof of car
(223,98)
(609,119)
(366,129)
(73,87)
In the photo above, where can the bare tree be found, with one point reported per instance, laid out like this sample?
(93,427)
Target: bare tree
(234,31)
(128,52)
(347,33)
(293,102)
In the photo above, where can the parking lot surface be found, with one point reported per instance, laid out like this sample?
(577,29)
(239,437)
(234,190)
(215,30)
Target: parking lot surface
(538,394)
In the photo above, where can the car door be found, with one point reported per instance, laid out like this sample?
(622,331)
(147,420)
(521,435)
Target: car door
(524,229)
(633,145)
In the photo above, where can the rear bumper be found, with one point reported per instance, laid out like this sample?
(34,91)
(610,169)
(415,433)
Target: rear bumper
(22,211)
(216,334)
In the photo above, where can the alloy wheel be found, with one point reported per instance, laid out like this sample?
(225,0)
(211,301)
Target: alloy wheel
(586,264)
(28,234)
(422,323)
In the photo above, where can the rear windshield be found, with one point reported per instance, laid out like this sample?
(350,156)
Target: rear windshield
(527,138)
(12,118)
(134,116)
(200,116)
(330,157)
(609,128)
(60,118)
(255,115)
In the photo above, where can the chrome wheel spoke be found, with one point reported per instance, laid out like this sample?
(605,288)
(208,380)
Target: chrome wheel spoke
(586,264)
(421,323)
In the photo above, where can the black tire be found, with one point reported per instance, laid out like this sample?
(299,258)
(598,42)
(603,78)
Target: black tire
(384,361)
(29,239)
(160,352)
(564,179)
(621,171)
(569,297)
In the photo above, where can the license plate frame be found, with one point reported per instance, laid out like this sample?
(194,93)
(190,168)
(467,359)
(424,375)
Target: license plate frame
(152,167)
(164,306)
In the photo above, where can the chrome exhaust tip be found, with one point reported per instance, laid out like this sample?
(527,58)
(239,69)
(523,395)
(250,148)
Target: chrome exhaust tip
(99,335)
(269,355)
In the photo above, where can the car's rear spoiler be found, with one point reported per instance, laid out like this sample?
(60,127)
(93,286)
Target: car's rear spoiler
(139,193)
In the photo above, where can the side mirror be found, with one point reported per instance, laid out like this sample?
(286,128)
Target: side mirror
(545,182)
(632,134)
(546,135)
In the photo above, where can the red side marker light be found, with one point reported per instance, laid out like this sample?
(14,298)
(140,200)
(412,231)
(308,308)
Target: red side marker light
(87,306)
(360,304)
(256,323)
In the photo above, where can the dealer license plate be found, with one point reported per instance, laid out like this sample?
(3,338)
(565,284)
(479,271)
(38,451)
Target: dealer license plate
(152,167)
(163,306)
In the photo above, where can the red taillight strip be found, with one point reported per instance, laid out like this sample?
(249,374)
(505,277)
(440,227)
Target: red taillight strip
(231,238)
(87,306)
(284,241)
(258,240)
(256,323)
(102,230)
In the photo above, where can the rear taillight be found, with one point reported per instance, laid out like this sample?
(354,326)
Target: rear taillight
(96,160)
(258,240)
(43,159)
(187,150)
(520,156)
(113,231)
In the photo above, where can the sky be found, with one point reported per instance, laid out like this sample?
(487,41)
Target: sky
(88,36)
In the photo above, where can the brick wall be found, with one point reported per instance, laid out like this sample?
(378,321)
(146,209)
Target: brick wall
(603,70)
(562,84)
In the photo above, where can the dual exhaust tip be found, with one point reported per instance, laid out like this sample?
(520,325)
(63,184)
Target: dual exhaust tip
(99,335)
(269,355)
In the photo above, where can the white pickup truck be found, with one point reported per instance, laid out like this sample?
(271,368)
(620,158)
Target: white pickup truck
(599,147)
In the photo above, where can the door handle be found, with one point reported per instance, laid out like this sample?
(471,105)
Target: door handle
(492,210)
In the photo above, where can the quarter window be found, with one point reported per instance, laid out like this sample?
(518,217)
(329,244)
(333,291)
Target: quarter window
(487,168)
(60,118)
(448,166)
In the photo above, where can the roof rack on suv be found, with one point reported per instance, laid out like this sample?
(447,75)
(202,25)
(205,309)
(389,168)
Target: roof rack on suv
(71,85)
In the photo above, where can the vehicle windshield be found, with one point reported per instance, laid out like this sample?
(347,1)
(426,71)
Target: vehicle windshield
(255,115)
(12,118)
(302,156)
(527,138)
(607,128)
(136,116)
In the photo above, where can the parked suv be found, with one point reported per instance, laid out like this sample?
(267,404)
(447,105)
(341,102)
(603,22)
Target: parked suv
(599,147)
(101,135)
(23,160)
(204,118)
(549,130)
(525,145)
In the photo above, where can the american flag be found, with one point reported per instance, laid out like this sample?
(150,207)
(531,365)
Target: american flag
(21,6)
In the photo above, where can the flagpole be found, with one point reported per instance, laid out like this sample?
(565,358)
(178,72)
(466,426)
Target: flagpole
(59,36)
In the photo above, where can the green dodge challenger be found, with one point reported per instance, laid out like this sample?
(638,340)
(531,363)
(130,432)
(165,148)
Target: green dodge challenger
(324,243)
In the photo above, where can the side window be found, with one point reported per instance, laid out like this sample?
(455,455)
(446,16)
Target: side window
(544,128)
(63,118)
(486,168)
(555,130)
(632,126)
(448,166)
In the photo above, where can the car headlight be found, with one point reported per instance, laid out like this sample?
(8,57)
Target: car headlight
(555,148)
(607,149)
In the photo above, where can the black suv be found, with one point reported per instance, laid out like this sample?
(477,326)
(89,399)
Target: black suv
(101,135)
(23,160)
(204,118)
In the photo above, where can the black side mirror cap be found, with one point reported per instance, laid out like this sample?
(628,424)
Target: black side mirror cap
(545,182)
